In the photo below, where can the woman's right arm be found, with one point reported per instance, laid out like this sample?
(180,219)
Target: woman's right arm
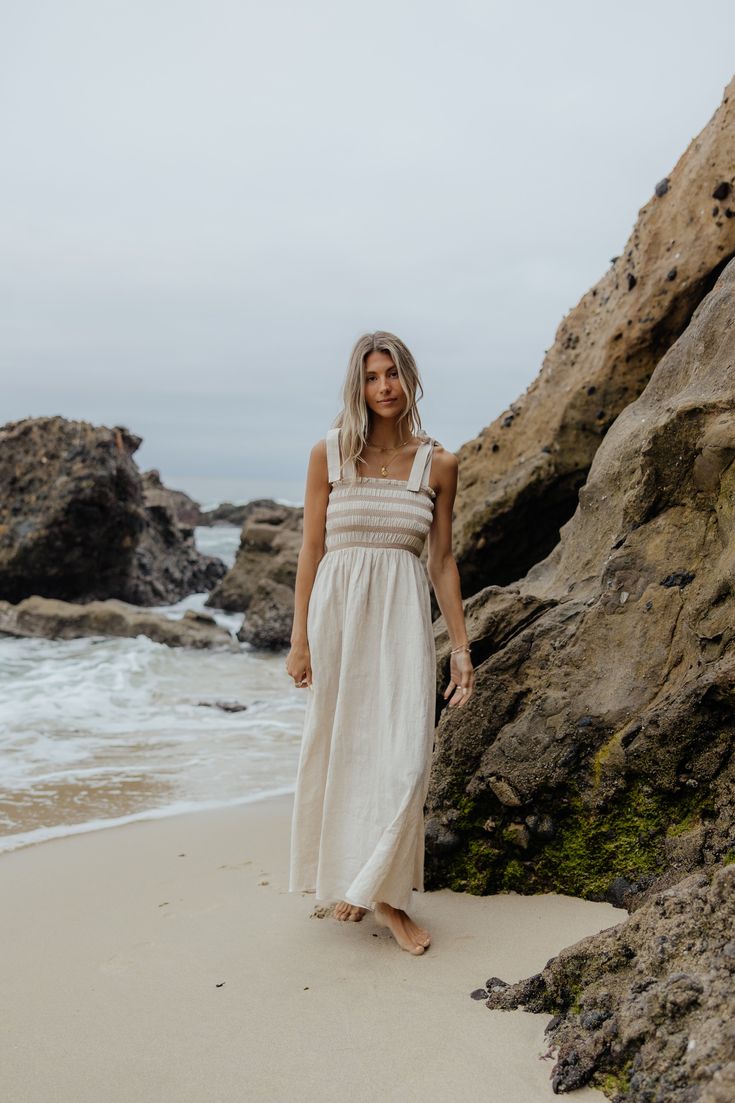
(316,495)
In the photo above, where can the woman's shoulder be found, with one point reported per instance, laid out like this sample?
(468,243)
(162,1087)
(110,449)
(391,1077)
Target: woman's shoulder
(326,446)
(332,434)
(329,434)
(319,452)
(438,447)
(442,458)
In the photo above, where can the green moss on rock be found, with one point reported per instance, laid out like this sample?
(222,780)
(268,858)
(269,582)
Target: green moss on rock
(590,849)
(614,1084)
(475,869)
(593,847)
(514,876)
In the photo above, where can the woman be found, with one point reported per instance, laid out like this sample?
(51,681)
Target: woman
(362,642)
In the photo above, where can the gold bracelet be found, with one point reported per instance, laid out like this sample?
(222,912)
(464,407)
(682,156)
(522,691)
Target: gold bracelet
(466,647)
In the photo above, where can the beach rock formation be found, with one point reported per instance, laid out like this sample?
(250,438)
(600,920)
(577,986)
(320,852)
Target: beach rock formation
(519,478)
(644,1010)
(226,514)
(52,619)
(186,511)
(166,565)
(261,582)
(77,522)
(595,757)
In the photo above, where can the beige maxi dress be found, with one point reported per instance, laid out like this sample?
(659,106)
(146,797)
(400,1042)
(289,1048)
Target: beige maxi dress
(357,831)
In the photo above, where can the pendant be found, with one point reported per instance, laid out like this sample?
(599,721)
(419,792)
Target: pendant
(383,471)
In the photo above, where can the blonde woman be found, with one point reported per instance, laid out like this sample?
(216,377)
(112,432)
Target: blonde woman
(362,643)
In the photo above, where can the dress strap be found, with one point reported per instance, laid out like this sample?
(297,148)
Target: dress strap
(421,463)
(334,462)
(427,466)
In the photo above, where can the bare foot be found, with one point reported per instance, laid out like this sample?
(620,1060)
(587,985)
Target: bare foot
(407,934)
(348,912)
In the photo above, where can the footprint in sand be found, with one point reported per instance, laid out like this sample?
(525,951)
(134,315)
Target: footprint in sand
(322,911)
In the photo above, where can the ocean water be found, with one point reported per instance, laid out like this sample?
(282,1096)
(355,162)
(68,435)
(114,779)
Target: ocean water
(98,731)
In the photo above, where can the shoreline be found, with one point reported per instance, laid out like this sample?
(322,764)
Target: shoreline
(22,839)
(165,959)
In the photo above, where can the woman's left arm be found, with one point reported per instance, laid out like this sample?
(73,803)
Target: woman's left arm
(442,570)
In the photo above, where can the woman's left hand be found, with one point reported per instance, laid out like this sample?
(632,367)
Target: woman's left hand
(461,678)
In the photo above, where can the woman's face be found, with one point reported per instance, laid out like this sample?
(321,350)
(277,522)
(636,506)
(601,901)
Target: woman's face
(384,393)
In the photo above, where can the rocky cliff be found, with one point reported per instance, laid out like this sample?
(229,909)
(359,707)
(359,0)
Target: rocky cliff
(518,480)
(596,755)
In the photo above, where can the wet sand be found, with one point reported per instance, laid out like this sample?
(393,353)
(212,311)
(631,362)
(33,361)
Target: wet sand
(165,961)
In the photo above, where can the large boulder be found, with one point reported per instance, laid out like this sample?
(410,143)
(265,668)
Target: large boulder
(261,582)
(518,480)
(77,522)
(596,756)
(644,1010)
(49,618)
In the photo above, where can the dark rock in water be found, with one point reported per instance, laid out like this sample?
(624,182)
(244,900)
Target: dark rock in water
(645,1009)
(512,501)
(261,582)
(604,700)
(226,706)
(49,618)
(78,523)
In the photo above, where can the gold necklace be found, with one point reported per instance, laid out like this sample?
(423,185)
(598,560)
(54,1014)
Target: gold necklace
(385,467)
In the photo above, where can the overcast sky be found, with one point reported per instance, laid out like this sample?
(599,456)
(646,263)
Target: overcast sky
(203,204)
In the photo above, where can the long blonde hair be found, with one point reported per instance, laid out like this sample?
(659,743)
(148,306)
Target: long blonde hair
(354,418)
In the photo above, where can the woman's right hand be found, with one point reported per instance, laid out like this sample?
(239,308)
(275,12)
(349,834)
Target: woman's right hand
(298,665)
(461,674)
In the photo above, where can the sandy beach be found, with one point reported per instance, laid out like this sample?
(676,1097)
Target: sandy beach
(165,960)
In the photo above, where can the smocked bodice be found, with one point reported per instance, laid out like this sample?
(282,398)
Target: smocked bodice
(376,512)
